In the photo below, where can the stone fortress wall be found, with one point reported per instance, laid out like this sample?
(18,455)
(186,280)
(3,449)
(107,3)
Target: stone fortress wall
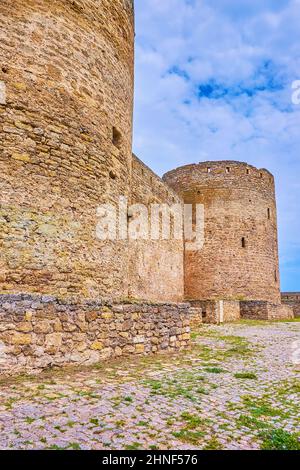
(65,147)
(292,299)
(239,260)
(67,69)
(66,297)
(156,266)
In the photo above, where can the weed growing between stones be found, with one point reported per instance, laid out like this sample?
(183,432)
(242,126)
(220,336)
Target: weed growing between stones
(246,375)
(213,444)
(278,439)
(215,370)
(260,407)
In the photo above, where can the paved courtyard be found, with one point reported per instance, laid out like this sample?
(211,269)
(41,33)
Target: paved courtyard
(237,388)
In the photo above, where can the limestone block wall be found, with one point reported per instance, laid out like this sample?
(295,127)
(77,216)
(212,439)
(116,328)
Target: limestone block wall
(65,143)
(210,311)
(218,311)
(196,316)
(156,266)
(230,311)
(292,299)
(39,332)
(239,260)
(259,310)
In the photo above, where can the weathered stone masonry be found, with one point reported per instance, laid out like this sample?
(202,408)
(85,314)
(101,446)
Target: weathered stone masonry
(65,143)
(67,70)
(292,299)
(239,261)
(39,332)
(218,311)
(156,266)
(66,106)
(260,310)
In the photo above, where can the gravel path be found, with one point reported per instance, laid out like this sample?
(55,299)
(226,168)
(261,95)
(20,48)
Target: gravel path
(237,388)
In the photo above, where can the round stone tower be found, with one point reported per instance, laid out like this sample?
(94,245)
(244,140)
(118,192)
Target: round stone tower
(239,259)
(66,99)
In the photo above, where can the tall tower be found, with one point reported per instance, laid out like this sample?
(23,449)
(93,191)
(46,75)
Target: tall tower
(65,143)
(239,260)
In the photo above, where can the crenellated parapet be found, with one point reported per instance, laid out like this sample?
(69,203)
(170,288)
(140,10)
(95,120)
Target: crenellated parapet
(222,174)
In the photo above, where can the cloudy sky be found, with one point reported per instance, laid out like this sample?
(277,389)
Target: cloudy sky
(214,81)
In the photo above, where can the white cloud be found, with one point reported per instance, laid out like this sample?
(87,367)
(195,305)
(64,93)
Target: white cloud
(249,54)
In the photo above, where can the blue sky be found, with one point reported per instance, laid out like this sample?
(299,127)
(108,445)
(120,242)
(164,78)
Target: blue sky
(213,82)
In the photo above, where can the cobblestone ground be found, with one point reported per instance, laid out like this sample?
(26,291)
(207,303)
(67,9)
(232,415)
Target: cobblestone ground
(237,388)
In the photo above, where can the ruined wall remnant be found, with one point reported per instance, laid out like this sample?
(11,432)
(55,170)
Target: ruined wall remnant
(259,310)
(292,299)
(218,311)
(239,260)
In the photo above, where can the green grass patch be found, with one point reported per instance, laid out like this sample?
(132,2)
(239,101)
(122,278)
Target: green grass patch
(154,384)
(29,420)
(261,407)
(213,444)
(94,421)
(195,428)
(253,322)
(134,446)
(202,391)
(246,375)
(71,424)
(193,421)
(289,387)
(214,370)
(278,439)
(128,399)
(191,437)
(251,422)
(142,423)
(236,346)
(74,446)
(183,386)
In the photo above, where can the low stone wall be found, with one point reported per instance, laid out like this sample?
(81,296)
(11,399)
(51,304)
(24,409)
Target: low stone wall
(40,332)
(231,311)
(208,310)
(292,300)
(218,311)
(195,317)
(260,310)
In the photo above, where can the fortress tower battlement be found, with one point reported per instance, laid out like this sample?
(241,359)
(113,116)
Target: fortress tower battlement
(223,174)
(239,260)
